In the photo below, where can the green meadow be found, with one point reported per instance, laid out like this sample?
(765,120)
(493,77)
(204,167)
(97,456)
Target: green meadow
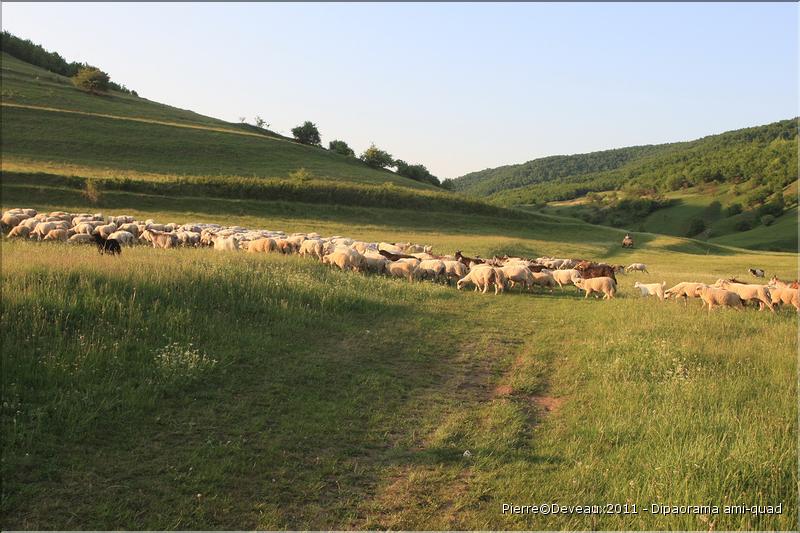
(198,389)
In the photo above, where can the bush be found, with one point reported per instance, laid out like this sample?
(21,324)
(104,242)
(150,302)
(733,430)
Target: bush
(307,133)
(377,158)
(415,172)
(733,209)
(341,147)
(696,226)
(93,191)
(91,79)
(743,225)
(768,220)
(774,207)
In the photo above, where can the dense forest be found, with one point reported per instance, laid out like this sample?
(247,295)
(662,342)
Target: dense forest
(761,159)
(35,54)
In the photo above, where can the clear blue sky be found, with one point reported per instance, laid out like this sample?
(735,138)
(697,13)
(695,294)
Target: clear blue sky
(458,87)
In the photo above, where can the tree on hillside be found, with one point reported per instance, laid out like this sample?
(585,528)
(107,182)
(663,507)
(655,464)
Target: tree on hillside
(91,79)
(341,147)
(415,172)
(307,133)
(377,158)
(260,122)
(447,184)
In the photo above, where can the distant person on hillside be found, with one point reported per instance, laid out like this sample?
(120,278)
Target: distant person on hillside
(627,242)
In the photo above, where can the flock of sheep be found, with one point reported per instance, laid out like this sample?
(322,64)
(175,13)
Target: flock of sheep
(402,260)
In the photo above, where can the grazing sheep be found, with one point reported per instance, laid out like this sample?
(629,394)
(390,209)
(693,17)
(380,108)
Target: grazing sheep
(518,274)
(81,238)
(605,285)
(652,289)
(57,235)
(286,246)
(402,269)
(747,292)
(105,231)
(685,290)
(264,245)
(159,239)
(10,220)
(375,263)
(223,244)
(544,279)
(640,267)
(19,232)
(712,296)
(313,248)
(565,277)
(125,238)
(431,269)
(107,246)
(345,259)
(188,238)
(454,270)
(130,227)
(785,295)
(482,278)
(43,228)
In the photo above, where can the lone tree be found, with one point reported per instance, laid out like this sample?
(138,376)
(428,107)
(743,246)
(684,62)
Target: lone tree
(91,79)
(260,122)
(377,158)
(307,133)
(341,147)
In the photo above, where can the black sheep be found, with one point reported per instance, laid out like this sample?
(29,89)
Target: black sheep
(110,246)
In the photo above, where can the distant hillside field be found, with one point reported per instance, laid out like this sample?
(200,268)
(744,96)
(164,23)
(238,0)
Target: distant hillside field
(764,155)
(47,120)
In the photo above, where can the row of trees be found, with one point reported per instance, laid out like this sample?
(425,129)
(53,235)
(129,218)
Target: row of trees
(83,75)
(308,133)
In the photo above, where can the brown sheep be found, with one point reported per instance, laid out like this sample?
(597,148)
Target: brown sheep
(264,245)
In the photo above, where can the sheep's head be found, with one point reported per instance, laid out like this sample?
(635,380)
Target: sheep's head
(636,285)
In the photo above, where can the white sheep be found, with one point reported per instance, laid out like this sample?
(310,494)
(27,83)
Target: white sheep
(652,289)
(640,267)
(123,237)
(482,278)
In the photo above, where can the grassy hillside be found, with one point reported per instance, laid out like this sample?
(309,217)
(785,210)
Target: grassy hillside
(553,168)
(762,157)
(47,121)
(197,389)
(710,203)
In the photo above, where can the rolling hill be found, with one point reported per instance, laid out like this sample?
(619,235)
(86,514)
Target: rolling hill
(665,188)
(48,122)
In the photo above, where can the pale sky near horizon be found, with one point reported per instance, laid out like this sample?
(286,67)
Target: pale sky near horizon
(456,86)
